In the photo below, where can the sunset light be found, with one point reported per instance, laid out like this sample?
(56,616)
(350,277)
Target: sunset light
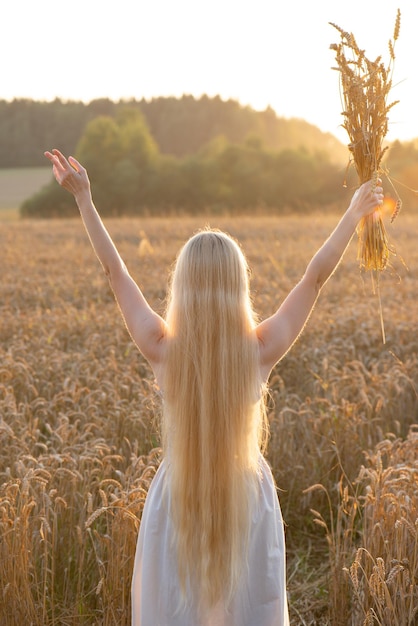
(268,53)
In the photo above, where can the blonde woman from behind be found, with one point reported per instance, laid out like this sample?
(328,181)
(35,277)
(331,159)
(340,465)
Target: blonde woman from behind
(211,549)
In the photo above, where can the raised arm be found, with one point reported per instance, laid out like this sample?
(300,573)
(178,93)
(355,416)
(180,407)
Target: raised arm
(277,333)
(145,326)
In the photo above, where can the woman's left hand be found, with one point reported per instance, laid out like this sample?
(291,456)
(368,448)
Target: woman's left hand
(367,199)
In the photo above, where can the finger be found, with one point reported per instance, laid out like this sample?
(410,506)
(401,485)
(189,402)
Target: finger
(58,168)
(49,156)
(58,153)
(379,198)
(61,158)
(75,164)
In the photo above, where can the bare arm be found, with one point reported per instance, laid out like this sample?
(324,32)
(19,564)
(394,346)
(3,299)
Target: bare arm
(145,326)
(278,333)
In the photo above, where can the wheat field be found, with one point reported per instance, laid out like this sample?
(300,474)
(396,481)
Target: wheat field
(79,422)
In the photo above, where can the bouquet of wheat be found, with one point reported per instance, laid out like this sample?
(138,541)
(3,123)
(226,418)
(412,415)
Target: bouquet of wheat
(365,87)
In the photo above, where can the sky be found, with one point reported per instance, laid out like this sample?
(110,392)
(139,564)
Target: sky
(260,52)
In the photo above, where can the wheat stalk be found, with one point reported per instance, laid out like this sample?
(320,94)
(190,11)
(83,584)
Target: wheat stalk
(365,87)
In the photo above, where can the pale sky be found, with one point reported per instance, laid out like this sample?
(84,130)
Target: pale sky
(259,52)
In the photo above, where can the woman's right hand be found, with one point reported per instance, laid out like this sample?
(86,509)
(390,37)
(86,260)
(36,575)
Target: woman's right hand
(70,174)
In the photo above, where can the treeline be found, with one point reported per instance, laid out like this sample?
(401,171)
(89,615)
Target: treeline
(187,156)
(130,175)
(179,126)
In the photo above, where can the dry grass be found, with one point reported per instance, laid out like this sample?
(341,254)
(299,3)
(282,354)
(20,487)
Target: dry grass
(80,442)
(384,573)
(365,89)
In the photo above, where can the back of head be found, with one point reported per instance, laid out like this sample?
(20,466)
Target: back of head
(212,419)
(211,276)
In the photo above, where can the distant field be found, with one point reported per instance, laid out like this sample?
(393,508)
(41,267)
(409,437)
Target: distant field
(17,184)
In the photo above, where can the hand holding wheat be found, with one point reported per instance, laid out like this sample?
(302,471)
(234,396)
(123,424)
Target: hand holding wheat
(367,200)
(365,86)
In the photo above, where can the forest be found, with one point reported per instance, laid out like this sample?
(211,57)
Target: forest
(187,156)
(179,126)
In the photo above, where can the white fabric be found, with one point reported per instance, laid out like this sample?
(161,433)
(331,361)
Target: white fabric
(261,597)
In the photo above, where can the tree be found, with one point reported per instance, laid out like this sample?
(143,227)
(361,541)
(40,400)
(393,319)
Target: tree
(129,175)
(121,158)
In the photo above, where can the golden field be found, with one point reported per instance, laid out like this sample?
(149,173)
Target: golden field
(79,422)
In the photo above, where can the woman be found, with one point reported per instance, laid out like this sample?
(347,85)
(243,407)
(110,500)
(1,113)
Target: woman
(211,544)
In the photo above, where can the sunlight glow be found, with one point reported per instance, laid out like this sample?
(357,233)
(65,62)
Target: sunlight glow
(268,53)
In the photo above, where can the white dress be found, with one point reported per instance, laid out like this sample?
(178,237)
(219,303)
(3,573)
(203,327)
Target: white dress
(260,599)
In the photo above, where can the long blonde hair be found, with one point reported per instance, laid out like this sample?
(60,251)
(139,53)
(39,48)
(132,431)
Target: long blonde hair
(213,419)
